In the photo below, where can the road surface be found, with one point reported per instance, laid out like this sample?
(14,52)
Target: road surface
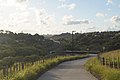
(71,70)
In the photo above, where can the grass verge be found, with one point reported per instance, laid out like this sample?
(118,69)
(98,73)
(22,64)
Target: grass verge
(33,72)
(102,72)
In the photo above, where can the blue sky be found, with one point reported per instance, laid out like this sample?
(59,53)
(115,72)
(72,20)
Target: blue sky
(59,16)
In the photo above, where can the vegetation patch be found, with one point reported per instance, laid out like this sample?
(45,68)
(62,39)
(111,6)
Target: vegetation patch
(102,72)
(33,72)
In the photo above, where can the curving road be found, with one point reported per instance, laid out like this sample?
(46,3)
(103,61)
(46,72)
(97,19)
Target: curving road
(71,70)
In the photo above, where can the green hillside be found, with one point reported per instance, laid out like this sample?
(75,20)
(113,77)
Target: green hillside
(24,47)
(98,41)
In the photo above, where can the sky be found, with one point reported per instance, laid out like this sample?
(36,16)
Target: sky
(59,16)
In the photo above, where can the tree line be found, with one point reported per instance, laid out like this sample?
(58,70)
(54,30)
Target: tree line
(92,41)
(24,47)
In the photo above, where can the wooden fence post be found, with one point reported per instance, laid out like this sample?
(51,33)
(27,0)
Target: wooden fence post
(17,67)
(7,71)
(43,60)
(32,63)
(113,63)
(22,66)
(109,63)
(14,68)
(4,71)
(10,70)
(103,61)
(118,66)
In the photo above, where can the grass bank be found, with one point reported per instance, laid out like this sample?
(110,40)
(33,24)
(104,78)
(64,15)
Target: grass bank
(102,72)
(33,72)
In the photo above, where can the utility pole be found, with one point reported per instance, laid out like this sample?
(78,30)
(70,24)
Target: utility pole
(72,43)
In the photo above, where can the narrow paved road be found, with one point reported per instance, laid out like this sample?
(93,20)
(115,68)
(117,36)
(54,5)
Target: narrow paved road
(71,70)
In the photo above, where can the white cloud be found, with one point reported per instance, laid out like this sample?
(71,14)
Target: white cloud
(48,20)
(21,1)
(12,2)
(84,22)
(41,12)
(62,0)
(18,15)
(106,20)
(100,15)
(14,12)
(19,18)
(113,28)
(109,2)
(43,17)
(19,21)
(76,22)
(69,20)
(62,6)
(115,19)
(21,4)
(71,6)
(91,28)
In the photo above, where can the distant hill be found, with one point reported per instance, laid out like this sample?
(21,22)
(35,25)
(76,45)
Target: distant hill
(22,44)
(23,47)
(66,36)
(98,41)
(47,36)
(26,47)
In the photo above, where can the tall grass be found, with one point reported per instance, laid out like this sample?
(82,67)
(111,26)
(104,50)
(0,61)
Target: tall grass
(111,54)
(102,72)
(111,59)
(33,72)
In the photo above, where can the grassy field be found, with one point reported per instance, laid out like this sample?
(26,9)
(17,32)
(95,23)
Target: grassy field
(105,72)
(111,54)
(33,72)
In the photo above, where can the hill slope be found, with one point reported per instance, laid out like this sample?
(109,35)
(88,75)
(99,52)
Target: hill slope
(97,41)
